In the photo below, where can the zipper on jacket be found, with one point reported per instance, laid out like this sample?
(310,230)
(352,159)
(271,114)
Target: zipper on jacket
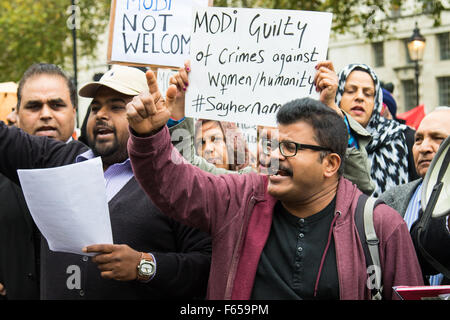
(330,233)
(237,250)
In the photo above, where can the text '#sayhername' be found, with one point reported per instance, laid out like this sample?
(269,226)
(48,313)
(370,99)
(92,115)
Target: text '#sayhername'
(223,109)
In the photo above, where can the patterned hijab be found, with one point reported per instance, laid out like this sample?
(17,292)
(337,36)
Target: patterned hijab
(387,151)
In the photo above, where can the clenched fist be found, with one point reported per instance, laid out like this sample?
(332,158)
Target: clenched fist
(326,82)
(148,112)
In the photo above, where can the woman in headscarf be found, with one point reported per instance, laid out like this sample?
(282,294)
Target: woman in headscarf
(358,92)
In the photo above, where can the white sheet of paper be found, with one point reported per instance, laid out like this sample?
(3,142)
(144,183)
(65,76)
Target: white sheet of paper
(68,205)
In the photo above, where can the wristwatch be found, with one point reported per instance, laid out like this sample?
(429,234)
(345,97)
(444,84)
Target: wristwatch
(146,267)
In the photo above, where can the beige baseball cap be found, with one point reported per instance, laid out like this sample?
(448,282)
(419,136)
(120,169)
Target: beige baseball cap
(127,80)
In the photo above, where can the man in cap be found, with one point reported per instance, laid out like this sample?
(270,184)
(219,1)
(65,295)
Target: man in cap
(406,198)
(157,258)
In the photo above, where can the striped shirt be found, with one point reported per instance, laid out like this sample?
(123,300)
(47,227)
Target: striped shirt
(116,176)
(411,215)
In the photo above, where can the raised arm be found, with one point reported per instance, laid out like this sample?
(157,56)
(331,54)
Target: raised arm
(179,189)
(356,164)
(19,150)
(185,129)
(326,82)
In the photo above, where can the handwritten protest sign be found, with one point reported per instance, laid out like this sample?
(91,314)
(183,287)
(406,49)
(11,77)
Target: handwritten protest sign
(151,32)
(247,62)
(162,77)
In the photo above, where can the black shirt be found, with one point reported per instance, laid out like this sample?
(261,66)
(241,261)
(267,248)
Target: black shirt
(290,261)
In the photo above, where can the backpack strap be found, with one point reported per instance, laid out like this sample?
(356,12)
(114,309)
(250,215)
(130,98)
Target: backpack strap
(370,243)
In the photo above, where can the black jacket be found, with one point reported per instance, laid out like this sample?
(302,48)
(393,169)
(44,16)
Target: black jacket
(18,257)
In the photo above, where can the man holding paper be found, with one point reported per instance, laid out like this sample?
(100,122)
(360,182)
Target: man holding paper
(156,257)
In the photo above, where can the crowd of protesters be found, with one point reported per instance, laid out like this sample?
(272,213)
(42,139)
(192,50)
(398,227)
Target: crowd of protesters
(207,219)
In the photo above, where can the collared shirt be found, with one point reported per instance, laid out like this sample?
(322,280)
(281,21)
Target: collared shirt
(116,176)
(411,215)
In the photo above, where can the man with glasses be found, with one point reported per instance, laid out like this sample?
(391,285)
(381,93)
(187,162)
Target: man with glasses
(288,235)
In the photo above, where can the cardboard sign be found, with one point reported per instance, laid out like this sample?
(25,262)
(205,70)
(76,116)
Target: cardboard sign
(151,32)
(246,63)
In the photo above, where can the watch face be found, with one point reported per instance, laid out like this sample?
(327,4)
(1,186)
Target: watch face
(146,268)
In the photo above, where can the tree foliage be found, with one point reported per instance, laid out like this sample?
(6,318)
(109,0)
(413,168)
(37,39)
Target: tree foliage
(40,31)
(375,16)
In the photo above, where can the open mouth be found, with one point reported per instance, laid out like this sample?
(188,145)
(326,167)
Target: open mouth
(357,110)
(102,132)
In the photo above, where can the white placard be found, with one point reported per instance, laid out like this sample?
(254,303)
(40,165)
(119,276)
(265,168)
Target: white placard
(151,32)
(162,78)
(246,63)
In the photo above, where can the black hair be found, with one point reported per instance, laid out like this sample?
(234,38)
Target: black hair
(47,69)
(329,128)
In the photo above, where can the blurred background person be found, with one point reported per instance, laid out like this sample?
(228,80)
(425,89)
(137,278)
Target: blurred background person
(359,95)
(222,144)
(406,198)
(11,118)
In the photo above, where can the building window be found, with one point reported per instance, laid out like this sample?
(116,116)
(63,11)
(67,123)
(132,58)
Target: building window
(444,91)
(444,45)
(378,53)
(409,94)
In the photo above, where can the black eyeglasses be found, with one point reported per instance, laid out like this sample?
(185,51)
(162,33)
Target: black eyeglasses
(289,148)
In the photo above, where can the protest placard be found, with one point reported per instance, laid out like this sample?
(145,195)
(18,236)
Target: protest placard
(151,32)
(247,62)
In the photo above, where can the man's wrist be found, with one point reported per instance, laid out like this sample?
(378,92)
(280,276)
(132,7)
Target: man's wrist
(145,135)
(146,267)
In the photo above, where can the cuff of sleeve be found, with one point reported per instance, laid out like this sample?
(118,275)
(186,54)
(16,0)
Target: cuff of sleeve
(447,225)
(156,267)
(149,143)
(173,122)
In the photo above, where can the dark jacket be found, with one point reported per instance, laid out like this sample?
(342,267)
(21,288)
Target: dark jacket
(182,256)
(182,253)
(18,264)
(19,237)
(237,211)
(436,240)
